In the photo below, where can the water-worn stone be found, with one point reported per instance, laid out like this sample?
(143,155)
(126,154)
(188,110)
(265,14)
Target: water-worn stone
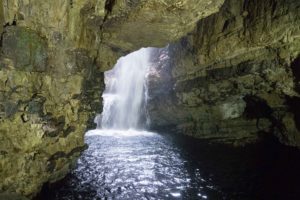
(25,48)
(248,48)
(7,196)
(53,55)
(39,114)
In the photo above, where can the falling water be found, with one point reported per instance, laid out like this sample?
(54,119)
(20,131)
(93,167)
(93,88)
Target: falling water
(125,93)
(124,162)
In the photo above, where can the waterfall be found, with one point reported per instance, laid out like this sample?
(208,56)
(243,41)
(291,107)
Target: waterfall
(125,93)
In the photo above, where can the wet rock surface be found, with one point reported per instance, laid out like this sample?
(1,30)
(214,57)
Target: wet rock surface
(249,48)
(8,196)
(43,111)
(54,53)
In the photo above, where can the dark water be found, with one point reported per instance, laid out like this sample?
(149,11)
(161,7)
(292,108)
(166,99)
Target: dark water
(175,167)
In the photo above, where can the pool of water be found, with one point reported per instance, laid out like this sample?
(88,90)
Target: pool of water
(142,165)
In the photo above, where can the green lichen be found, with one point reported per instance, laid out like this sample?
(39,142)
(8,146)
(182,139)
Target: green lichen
(25,48)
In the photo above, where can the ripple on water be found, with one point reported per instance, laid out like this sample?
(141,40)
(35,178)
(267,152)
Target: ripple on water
(128,165)
(142,165)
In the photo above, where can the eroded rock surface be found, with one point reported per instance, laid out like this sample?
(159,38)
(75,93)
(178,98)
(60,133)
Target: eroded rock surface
(236,75)
(53,55)
(43,113)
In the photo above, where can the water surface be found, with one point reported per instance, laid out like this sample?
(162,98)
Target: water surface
(142,165)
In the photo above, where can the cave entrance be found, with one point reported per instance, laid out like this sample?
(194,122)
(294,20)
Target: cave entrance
(124,161)
(125,94)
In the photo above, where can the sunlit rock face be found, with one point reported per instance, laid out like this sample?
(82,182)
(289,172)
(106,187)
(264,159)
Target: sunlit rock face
(53,55)
(237,66)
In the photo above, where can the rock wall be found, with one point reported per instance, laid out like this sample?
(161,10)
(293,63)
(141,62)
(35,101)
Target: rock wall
(43,113)
(235,76)
(50,90)
(52,59)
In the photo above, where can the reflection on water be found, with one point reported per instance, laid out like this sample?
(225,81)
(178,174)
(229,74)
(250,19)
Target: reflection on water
(142,165)
(119,133)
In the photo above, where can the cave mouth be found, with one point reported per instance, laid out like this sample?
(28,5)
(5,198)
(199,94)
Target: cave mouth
(127,161)
(126,91)
(125,97)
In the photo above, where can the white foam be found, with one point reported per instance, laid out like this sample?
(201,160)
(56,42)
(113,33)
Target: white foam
(119,133)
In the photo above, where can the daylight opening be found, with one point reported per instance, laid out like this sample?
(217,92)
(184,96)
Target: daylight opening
(125,94)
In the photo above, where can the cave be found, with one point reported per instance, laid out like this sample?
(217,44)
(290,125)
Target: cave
(107,99)
(295,69)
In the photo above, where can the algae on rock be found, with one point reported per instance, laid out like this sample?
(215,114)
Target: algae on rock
(53,55)
(247,48)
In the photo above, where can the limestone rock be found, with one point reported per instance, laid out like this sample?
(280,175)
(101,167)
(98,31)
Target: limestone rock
(247,48)
(44,109)
(26,50)
(53,55)
(132,24)
(7,196)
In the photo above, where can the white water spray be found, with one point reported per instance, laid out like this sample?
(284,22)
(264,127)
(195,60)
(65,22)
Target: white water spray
(125,93)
